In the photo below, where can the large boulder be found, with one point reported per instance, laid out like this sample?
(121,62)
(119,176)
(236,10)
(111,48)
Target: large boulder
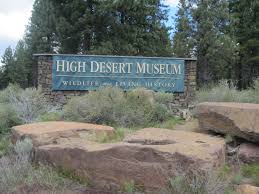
(237,119)
(43,133)
(249,153)
(149,157)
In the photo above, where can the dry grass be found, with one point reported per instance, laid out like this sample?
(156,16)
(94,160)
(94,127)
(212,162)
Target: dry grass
(16,171)
(223,91)
(194,182)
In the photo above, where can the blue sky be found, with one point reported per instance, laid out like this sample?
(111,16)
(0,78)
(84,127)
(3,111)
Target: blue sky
(15,14)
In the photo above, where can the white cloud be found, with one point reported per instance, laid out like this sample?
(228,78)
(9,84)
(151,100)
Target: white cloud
(172,3)
(14,15)
(7,6)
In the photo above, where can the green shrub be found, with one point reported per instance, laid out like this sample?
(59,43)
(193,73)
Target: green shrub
(27,105)
(51,116)
(5,145)
(112,106)
(102,106)
(223,91)
(8,118)
(9,91)
(164,98)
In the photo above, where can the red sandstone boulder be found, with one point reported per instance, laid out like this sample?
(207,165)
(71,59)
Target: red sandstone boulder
(149,157)
(249,153)
(43,133)
(237,119)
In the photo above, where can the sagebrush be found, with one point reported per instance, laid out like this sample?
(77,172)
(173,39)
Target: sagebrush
(111,105)
(19,106)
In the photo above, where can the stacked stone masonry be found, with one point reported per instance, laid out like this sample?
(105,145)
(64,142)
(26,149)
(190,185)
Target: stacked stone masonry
(44,78)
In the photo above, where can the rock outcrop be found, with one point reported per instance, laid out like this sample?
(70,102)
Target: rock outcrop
(149,157)
(249,153)
(237,119)
(44,133)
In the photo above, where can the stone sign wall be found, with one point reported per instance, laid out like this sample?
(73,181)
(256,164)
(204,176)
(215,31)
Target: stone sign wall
(45,75)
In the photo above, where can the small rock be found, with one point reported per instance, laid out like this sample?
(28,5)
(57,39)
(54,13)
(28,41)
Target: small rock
(249,153)
(247,189)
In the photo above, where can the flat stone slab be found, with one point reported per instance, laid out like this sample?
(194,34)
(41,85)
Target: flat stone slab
(237,119)
(196,145)
(43,133)
(149,157)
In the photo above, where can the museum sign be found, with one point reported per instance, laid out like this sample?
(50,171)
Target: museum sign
(86,72)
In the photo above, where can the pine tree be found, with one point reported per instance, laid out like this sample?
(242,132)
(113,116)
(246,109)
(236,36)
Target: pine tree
(133,28)
(183,42)
(15,68)
(246,27)
(215,48)
(73,25)
(6,69)
(41,34)
(21,74)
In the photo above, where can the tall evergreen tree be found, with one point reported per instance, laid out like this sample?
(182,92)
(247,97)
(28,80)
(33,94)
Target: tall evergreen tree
(41,34)
(134,28)
(6,69)
(15,68)
(215,48)
(21,74)
(246,14)
(74,25)
(183,42)
(119,27)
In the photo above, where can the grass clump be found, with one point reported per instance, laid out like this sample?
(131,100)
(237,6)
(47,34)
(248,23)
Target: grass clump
(210,182)
(71,175)
(112,106)
(17,171)
(170,123)
(251,171)
(8,118)
(51,116)
(225,91)
(118,135)
(129,187)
